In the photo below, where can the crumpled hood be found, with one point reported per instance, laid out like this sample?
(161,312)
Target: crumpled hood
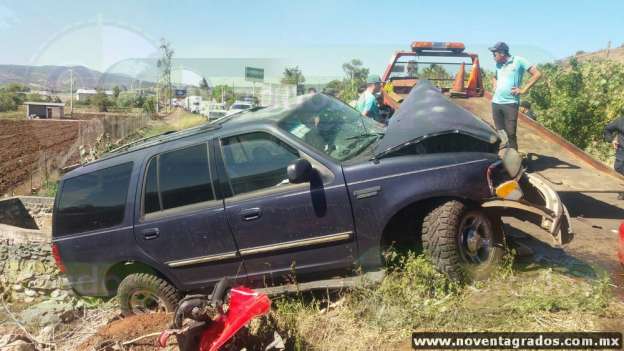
(426,112)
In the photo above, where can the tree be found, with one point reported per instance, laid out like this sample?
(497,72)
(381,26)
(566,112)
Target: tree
(224,91)
(436,72)
(355,78)
(101,101)
(333,88)
(149,105)
(164,64)
(203,84)
(7,103)
(116,91)
(355,72)
(293,75)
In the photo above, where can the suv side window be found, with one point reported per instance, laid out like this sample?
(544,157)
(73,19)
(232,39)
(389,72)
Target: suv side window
(178,178)
(93,201)
(256,161)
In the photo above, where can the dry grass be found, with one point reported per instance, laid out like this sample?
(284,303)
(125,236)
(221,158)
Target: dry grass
(414,297)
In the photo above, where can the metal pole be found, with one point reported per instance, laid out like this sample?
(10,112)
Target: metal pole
(71,92)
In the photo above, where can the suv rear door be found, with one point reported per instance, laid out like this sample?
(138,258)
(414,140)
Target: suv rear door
(182,223)
(281,227)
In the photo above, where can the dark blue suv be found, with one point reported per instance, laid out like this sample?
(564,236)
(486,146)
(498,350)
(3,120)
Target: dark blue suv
(311,188)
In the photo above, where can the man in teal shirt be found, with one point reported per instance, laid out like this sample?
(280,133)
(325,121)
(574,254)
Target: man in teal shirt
(507,89)
(367,102)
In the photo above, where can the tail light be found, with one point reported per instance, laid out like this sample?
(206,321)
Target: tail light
(57,258)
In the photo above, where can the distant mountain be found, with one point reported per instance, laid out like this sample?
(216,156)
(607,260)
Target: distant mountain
(56,78)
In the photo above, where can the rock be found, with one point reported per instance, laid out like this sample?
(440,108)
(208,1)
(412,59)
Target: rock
(19,345)
(45,313)
(24,276)
(56,293)
(6,339)
(30,293)
(29,299)
(17,287)
(42,283)
(46,334)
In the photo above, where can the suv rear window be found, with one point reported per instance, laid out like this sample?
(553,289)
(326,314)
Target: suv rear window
(178,178)
(93,201)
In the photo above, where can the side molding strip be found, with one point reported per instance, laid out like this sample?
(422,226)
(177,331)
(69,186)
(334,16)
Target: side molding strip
(297,243)
(202,259)
(263,249)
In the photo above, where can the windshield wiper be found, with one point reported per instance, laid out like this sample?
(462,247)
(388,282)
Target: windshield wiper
(365,135)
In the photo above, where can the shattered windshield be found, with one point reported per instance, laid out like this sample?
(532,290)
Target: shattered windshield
(332,127)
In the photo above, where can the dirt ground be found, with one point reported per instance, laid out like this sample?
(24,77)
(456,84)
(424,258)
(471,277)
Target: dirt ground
(124,330)
(589,195)
(26,146)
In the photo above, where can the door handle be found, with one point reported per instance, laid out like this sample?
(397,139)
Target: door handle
(251,214)
(151,233)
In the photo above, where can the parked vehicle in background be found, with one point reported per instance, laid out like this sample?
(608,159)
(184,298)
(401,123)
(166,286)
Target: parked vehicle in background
(238,106)
(193,103)
(311,188)
(216,114)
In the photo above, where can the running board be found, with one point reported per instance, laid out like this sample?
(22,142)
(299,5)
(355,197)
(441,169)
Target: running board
(364,280)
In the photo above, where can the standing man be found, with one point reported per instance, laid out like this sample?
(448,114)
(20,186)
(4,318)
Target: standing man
(616,129)
(507,89)
(367,103)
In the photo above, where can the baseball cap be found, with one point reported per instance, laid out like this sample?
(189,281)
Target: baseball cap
(500,47)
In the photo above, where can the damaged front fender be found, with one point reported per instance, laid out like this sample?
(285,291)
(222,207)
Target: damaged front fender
(541,206)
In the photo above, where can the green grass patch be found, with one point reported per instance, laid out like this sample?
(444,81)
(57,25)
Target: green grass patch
(415,297)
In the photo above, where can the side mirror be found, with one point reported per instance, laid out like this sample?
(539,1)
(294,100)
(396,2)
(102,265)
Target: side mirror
(299,171)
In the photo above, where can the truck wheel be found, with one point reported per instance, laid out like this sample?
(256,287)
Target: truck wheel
(464,243)
(142,293)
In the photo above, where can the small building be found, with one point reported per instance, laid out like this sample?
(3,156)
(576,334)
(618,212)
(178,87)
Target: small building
(84,94)
(50,110)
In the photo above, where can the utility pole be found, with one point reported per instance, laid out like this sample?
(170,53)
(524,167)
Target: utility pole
(608,48)
(71,92)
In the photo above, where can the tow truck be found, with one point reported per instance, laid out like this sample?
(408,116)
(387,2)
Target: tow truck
(444,64)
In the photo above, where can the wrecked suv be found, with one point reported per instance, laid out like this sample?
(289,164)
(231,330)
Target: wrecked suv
(311,189)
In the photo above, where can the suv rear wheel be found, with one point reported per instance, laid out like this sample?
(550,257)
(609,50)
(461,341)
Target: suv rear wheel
(142,293)
(463,242)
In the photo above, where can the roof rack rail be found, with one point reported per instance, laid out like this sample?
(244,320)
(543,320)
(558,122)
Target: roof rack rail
(128,145)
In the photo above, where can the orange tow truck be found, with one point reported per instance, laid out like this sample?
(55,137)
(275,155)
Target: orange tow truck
(443,63)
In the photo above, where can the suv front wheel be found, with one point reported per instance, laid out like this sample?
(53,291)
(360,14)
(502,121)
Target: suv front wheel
(465,243)
(142,293)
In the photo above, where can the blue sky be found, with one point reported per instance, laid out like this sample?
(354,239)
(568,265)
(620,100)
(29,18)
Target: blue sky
(316,35)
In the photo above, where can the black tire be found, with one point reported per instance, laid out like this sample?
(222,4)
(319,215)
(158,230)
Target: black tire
(456,248)
(145,293)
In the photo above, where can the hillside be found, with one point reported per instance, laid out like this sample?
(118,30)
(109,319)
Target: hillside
(57,77)
(615,54)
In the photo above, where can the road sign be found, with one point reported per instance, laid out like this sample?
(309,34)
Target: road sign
(180,93)
(254,74)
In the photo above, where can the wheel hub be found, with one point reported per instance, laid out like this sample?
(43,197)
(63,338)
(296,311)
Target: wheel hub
(475,238)
(473,242)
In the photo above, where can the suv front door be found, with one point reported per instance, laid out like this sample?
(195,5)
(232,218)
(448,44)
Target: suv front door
(283,228)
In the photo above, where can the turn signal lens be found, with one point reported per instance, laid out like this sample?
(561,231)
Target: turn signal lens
(509,190)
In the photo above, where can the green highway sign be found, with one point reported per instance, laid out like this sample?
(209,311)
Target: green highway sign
(254,74)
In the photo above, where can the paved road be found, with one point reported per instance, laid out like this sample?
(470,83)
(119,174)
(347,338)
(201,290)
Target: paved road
(589,195)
